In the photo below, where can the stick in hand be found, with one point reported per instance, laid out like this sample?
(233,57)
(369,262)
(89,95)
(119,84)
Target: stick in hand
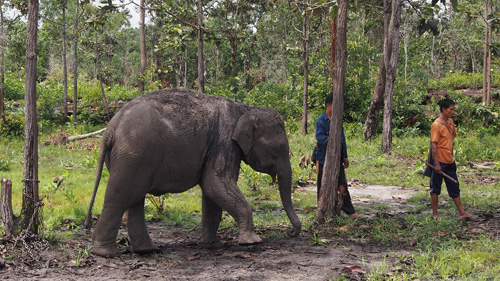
(445,175)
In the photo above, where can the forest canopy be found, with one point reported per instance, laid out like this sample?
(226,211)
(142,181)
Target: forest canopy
(253,53)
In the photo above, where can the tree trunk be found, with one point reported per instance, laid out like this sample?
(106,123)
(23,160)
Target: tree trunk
(333,30)
(6,212)
(31,202)
(330,202)
(305,61)
(378,93)
(142,39)
(99,77)
(2,69)
(391,76)
(65,63)
(185,75)
(201,66)
(487,56)
(75,69)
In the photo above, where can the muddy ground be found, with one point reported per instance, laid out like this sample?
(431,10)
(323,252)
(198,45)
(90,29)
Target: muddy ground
(181,258)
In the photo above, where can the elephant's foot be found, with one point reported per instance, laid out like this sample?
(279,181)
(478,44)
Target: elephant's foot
(145,248)
(214,244)
(249,239)
(107,251)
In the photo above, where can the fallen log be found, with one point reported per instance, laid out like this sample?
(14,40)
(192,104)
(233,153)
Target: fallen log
(85,136)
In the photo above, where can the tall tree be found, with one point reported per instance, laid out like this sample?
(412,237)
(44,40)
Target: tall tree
(391,55)
(201,63)
(2,69)
(487,55)
(378,93)
(31,202)
(75,67)
(65,63)
(330,200)
(142,39)
(305,63)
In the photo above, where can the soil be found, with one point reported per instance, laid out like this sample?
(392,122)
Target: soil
(181,258)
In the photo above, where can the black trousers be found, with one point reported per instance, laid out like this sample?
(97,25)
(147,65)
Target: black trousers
(347,206)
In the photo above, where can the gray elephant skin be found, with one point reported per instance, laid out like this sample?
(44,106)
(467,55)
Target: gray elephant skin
(169,141)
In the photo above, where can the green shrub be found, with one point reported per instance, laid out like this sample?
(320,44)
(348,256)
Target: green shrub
(4,163)
(14,85)
(457,80)
(14,125)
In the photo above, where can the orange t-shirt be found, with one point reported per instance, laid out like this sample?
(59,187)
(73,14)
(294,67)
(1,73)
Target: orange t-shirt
(444,139)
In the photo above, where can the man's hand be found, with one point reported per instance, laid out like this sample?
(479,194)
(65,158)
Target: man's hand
(437,168)
(346,163)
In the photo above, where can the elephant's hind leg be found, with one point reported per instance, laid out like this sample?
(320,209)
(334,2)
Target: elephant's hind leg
(211,216)
(104,236)
(137,230)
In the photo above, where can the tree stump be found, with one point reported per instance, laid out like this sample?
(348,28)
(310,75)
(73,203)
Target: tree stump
(6,207)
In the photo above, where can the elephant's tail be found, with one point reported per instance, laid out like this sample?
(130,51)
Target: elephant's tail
(105,146)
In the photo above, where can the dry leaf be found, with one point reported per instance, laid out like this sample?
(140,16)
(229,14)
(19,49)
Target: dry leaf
(194,257)
(354,268)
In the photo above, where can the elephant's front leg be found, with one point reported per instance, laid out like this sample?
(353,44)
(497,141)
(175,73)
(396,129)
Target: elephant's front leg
(226,195)
(137,230)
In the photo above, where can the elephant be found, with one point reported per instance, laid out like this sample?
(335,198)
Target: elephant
(169,141)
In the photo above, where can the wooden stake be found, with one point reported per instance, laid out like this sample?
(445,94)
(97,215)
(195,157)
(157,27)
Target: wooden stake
(6,207)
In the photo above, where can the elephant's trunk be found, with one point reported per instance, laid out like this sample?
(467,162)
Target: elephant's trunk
(285,187)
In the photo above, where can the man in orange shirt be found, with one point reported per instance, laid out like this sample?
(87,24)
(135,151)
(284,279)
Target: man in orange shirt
(443,132)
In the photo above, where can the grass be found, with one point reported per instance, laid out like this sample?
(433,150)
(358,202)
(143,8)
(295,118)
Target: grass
(445,249)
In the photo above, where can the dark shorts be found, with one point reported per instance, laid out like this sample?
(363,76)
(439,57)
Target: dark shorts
(437,180)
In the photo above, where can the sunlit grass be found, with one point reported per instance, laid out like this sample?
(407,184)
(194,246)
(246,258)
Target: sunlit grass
(444,249)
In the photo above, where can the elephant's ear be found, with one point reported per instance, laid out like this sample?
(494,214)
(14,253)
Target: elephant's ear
(244,133)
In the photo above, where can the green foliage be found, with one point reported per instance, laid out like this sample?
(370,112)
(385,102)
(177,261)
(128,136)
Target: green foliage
(14,85)
(14,115)
(457,80)
(4,162)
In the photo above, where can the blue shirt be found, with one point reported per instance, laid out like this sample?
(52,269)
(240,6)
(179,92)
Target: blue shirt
(322,132)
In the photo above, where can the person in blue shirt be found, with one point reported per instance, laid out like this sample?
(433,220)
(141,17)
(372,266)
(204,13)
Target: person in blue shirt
(322,132)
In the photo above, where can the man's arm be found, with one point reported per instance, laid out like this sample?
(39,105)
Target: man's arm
(321,132)
(435,157)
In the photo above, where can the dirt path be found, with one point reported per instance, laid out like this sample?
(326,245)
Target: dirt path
(182,259)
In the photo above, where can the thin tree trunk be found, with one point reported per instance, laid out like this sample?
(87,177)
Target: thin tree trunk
(31,202)
(391,76)
(185,82)
(378,93)
(2,69)
(201,67)
(65,63)
(305,61)
(7,214)
(142,39)
(329,200)
(75,69)
(333,30)
(99,77)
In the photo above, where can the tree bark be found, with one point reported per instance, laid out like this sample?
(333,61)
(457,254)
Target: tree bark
(65,63)
(2,69)
(305,61)
(487,56)
(31,202)
(142,39)
(75,69)
(201,66)
(330,202)
(378,93)
(391,76)
(6,211)
(99,77)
